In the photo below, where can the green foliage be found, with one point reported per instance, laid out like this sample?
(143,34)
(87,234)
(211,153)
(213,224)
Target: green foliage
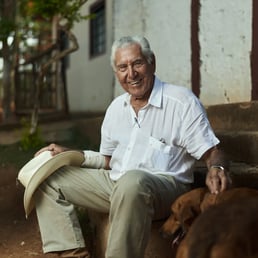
(12,154)
(7,27)
(47,9)
(28,140)
(7,23)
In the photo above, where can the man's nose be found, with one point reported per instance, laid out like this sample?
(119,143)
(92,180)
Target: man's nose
(131,71)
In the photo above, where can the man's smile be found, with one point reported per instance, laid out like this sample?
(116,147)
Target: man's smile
(135,82)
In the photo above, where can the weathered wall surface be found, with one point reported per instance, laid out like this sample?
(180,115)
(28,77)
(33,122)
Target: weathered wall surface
(90,81)
(224,37)
(166,24)
(225,40)
(225,31)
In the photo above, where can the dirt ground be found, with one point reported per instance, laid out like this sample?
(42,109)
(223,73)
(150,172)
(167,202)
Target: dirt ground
(19,237)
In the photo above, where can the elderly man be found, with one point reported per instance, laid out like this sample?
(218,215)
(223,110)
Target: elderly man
(150,139)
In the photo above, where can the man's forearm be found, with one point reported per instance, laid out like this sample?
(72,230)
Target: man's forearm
(215,157)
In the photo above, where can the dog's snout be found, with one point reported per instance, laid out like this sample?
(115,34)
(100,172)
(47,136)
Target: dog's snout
(164,233)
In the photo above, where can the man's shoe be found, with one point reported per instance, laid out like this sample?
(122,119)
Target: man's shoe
(75,253)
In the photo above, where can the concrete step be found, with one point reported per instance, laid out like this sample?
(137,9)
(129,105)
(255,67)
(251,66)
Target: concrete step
(234,117)
(240,146)
(236,125)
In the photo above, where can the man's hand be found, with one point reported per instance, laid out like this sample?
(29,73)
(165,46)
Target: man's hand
(217,180)
(53,148)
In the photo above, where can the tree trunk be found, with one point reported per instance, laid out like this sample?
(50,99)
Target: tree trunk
(42,71)
(7,68)
(7,14)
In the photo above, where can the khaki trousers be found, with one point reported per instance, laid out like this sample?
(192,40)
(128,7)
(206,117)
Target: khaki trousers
(132,202)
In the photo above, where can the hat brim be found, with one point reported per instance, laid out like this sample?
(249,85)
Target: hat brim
(45,166)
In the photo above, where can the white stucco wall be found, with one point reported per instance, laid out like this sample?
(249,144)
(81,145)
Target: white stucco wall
(225,40)
(90,81)
(166,25)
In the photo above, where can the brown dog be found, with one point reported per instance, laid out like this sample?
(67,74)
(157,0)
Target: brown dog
(188,206)
(226,230)
(183,212)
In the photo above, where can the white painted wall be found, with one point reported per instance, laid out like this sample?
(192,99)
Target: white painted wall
(90,81)
(166,24)
(225,39)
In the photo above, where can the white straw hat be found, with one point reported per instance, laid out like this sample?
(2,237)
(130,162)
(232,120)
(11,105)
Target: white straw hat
(33,173)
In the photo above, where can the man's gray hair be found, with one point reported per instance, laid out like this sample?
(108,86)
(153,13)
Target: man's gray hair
(130,40)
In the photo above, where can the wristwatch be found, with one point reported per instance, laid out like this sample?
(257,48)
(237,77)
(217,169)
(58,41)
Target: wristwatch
(218,166)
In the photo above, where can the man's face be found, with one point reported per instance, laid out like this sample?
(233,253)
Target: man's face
(133,72)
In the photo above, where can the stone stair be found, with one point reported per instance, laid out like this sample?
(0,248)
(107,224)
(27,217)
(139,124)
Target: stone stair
(236,125)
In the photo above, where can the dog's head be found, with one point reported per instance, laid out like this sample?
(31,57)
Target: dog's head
(183,212)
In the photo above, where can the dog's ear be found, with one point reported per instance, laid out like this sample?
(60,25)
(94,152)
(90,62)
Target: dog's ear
(187,215)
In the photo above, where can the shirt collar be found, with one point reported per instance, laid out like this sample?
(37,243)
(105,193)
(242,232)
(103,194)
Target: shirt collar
(155,97)
(156,94)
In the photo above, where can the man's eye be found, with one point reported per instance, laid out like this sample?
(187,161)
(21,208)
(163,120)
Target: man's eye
(122,68)
(138,63)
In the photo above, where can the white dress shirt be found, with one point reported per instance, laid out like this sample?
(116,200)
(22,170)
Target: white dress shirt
(166,137)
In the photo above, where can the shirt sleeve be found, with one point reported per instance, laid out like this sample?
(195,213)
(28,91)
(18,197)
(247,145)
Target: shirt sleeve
(107,145)
(197,134)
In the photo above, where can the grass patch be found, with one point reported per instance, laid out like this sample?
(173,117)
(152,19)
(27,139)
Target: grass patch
(14,155)
(17,156)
